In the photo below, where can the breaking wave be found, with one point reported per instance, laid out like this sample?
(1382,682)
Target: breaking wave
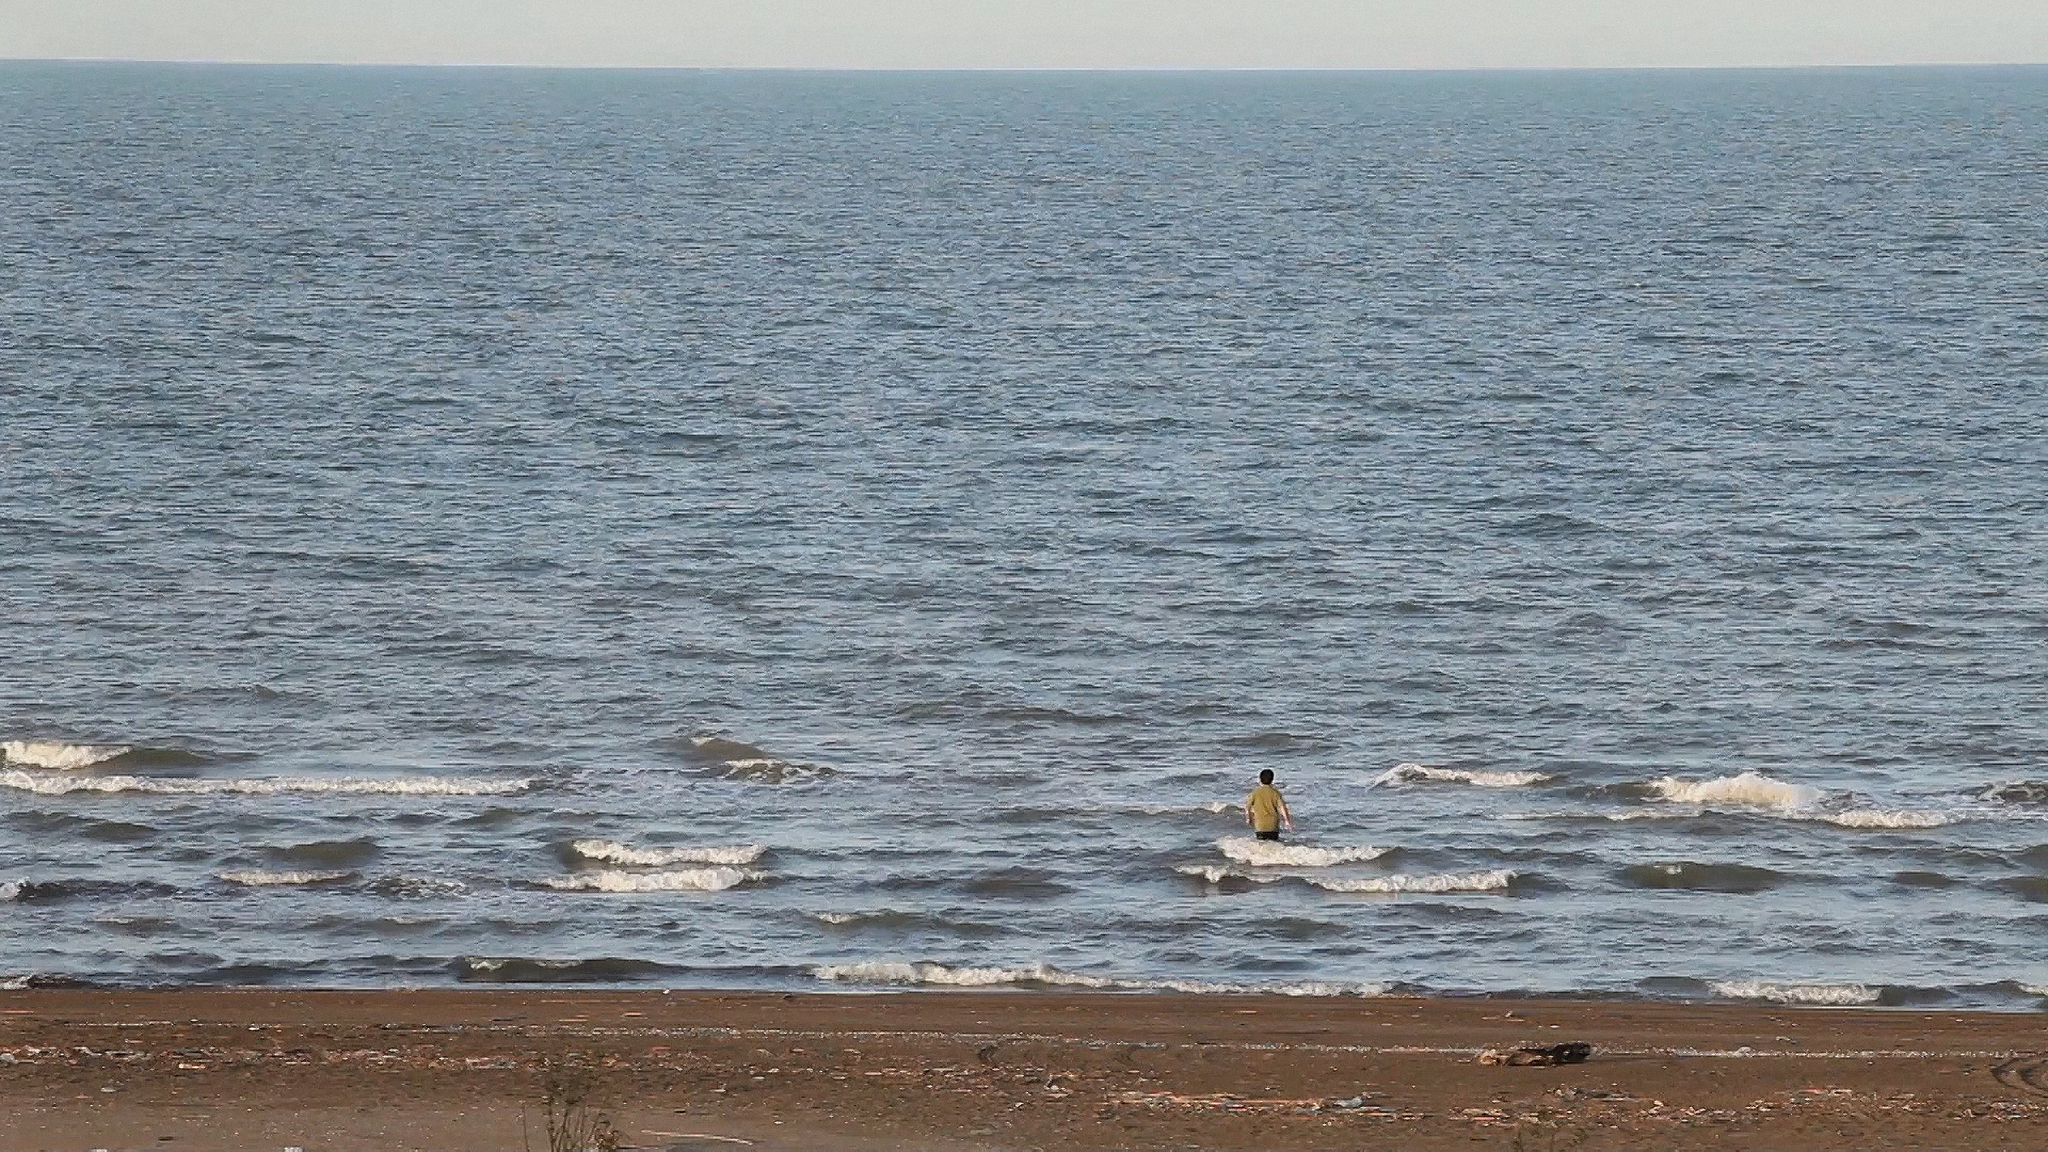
(524,970)
(1795,993)
(900,972)
(1493,880)
(1748,788)
(737,760)
(1218,873)
(1886,818)
(681,880)
(50,784)
(1400,773)
(1612,817)
(613,852)
(1247,850)
(258,878)
(1045,975)
(1213,807)
(62,756)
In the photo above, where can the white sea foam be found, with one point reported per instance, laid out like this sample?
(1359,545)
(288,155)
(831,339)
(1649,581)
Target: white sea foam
(1248,850)
(842,917)
(1628,814)
(257,878)
(899,972)
(1749,789)
(2034,989)
(56,754)
(1887,818)
(771,770)
(715,879)
(1301,988)
(49,784)
(1495,880)
(1412,772)
(10,890)
(14,983)
(1218,873)
(613,852)
(1794,993)
(1213,807)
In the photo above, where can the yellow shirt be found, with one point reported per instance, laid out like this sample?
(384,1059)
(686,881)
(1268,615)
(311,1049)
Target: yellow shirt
(1264,805)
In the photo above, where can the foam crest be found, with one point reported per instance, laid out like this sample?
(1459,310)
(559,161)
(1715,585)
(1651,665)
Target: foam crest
(1887,818)
(1218,873)
(1300,988)
(1213,807)
(941,975)
(1401,773)
(258,878)
(899,972)
(613,852)
(1267,853)
(768,770)
(1794,993)
(716,879)
(10,890)
(1616,817)
(738,760)
(47,784)
(1494,880)
(1749,788)
(59,755)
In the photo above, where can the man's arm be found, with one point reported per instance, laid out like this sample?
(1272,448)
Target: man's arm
(1286,817)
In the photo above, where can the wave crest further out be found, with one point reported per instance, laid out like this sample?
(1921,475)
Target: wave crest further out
(1748,789)
(716,879)
(1414,773)
(613,852)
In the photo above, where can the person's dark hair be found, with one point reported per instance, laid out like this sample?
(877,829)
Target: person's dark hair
(1265,775)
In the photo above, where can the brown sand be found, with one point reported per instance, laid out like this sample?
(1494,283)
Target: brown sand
(460,1069)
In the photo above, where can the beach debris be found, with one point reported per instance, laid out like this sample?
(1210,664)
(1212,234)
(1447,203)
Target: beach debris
(1570,1052)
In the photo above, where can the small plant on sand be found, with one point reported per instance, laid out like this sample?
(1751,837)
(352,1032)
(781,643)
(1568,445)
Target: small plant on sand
(569,1115)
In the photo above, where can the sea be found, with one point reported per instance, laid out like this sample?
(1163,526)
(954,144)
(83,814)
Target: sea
(839,531)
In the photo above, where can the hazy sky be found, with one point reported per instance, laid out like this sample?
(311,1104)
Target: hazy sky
(1038,33)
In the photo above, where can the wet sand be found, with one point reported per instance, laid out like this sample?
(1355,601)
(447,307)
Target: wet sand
(447,1070)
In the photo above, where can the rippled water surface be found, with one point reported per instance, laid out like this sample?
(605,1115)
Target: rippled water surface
(778,529)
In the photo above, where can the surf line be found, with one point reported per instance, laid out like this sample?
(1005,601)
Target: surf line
(1154,1045)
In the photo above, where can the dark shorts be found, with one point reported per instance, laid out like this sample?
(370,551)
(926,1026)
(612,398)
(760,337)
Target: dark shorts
(1273,835)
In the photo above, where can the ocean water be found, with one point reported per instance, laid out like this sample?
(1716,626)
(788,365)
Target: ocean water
(844,531)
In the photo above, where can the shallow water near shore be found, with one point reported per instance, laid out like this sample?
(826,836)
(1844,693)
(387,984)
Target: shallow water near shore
(767,531)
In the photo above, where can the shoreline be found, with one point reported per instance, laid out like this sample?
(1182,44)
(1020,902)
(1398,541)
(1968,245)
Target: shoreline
(2002,998)
(994,1070)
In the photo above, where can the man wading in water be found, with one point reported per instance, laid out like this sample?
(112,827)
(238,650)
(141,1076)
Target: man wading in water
(1265,811)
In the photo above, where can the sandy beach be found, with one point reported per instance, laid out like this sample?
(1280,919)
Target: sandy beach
(460,1069)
